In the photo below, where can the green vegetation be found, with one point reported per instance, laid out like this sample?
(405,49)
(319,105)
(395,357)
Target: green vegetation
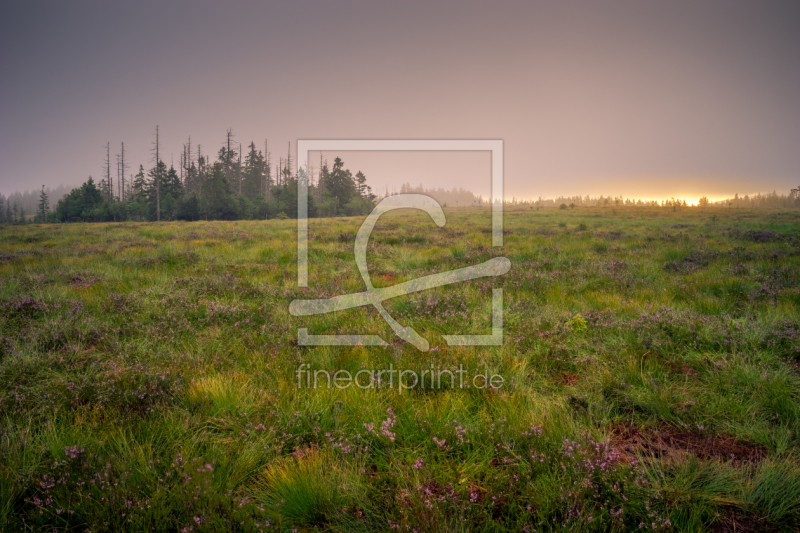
(208,194)
(225,189)
(148,376)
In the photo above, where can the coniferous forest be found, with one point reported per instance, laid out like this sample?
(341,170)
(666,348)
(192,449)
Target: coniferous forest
(244,183)
(236,184)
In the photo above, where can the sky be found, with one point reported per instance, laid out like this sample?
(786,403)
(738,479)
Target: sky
(640,99)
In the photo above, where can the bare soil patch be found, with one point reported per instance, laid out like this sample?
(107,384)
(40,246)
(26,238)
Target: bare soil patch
(568,378)
(668,442)
(737,521)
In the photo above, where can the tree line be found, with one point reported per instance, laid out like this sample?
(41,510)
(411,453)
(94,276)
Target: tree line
(232,188)
(235,185)
(455,197)
(770,200)
(335,192)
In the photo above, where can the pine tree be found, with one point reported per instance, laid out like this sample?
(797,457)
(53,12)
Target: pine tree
(83,203)
(192,182)
(172,184)
(171,191)
(139,183)
(322,180)
(361,183)
(340,185)
(91,197)
(43,208)
(254,168)
(217,200)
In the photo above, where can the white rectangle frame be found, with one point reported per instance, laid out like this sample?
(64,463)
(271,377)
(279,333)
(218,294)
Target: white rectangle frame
(495,146)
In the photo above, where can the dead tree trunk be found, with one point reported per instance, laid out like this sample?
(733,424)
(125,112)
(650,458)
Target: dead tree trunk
(109,185)
(157,149)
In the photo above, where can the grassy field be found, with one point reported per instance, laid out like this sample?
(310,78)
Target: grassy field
(148,376)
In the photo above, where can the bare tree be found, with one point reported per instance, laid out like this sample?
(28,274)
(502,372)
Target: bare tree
(157,149)
(200,169)
(118,176)
(319,179)
(263,174)
(228,160)
(122,168)
(108,185)
(268,170)
(187,159)
(289,161)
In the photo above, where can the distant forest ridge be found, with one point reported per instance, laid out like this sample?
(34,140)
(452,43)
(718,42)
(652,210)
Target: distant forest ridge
(245,183)
(462,197)
(27,202)
(768,200)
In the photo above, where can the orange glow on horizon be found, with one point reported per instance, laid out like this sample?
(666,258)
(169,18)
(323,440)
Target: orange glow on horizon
(692,199)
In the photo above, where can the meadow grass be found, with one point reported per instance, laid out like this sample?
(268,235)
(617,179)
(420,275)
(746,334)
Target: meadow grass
(148,376)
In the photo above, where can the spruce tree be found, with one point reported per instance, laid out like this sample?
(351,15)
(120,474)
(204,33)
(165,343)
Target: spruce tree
(253,172)
(340,185)
(192,183)
(43,208)
(139,183)
(171,193)
(361,183)
(171,184)
(217,200)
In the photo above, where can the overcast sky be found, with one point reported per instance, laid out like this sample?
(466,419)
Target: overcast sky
(643,99)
